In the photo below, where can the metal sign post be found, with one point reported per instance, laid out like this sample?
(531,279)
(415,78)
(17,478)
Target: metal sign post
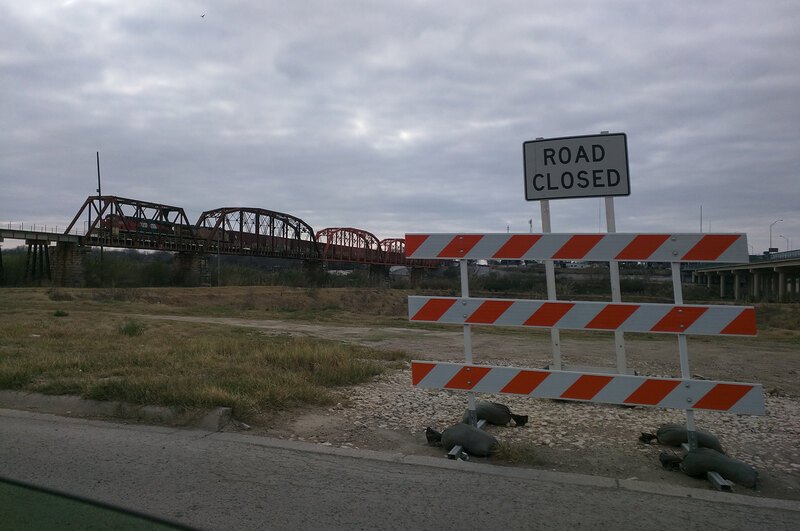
(616,292)
(464,270)
(550,277)
(578,166)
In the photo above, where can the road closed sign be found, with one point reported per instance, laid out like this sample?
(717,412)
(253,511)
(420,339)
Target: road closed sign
(576,166)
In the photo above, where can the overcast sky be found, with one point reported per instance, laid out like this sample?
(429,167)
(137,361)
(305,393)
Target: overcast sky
(402,116)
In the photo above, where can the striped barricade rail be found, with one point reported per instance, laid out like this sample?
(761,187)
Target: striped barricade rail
(742,398)
(624,317)
(728,248)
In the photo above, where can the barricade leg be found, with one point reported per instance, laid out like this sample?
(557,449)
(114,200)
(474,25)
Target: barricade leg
(683,350)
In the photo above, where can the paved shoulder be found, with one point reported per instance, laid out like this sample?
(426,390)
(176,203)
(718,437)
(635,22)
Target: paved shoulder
(227,480)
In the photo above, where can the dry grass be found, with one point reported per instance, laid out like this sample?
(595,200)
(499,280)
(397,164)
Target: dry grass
(778,317)
(344,305)
(107,356)
(85,341)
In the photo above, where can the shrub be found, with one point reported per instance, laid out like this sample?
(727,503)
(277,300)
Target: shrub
(131,328)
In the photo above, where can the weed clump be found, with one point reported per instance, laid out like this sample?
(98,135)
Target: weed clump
(131,328)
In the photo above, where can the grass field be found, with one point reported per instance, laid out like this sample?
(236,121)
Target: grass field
(83,343)
(90,343)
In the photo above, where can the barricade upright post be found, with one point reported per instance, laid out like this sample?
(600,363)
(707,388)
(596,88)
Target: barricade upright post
(683,350)
(464,270)
(616,292)
(550,275)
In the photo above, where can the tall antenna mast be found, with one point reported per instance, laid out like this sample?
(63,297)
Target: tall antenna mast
(99,193)
(99,196)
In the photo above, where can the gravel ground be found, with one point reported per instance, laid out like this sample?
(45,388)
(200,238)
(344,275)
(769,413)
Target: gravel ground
(768,442)
(389,414)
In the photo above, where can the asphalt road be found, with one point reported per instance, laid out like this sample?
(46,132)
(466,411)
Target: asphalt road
(235,481)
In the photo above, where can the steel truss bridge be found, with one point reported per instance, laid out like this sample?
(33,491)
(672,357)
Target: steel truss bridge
(117,222)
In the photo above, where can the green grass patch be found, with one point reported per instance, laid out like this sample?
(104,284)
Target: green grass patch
(131,328)
(60,313)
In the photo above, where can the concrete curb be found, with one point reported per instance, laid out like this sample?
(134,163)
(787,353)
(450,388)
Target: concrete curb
(570,478)
(213,420)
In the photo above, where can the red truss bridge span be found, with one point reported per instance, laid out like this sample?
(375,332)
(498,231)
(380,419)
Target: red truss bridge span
(111,221)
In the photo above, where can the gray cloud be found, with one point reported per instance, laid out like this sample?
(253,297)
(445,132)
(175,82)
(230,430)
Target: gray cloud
(401,118)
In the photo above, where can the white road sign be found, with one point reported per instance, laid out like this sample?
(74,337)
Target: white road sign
(576,166)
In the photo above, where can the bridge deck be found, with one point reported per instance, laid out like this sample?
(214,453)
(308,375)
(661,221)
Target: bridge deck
(263,247)
(30,235)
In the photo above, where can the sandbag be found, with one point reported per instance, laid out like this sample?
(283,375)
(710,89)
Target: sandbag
(703,460)
(676,434)
(495,413)
(471,439)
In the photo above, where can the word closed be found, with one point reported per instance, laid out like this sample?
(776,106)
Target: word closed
(579,166)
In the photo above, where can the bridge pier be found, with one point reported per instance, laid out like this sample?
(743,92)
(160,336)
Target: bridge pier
(68,265)
(781,284)
(736,286)
(37,263)
(191,269)
(756,292)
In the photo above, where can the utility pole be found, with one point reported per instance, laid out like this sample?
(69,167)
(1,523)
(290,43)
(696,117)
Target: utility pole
(99,199)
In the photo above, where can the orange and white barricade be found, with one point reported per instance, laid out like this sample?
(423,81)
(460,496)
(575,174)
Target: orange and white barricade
(678,319)
(742,398)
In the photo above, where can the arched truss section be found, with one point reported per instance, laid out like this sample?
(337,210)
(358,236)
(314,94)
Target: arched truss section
(106,215)
(394,253)
(394,250)
(257,231)
(394,245)
(346,244)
